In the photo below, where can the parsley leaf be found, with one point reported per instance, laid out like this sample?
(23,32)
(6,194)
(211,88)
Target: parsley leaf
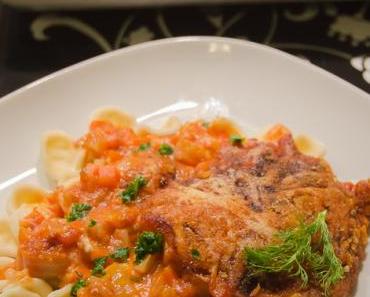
(133,189)
(236,139)
(78,211)
(148,243)
(92,223)
(205,125)
(297,256)
(120,255)
(98,269)
(76,286)
(144,147)
(195,254)
(165,149)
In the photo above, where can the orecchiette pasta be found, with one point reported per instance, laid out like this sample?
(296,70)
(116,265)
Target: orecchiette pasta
(305,144)
(18,284)
(25,195)
(60,158)
(8,245)
(16,216)
(169,126)
(63,292)
(21,203)
(309,146)
(14,290)
(36,285)
(4,261)
(3,284)
(114,116)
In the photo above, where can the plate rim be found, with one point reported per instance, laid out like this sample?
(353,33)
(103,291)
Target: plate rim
(178,40)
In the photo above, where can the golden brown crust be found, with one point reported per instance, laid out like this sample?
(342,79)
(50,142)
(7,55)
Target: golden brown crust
(252,193)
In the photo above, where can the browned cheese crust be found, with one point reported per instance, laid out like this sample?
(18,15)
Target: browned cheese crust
(253,192)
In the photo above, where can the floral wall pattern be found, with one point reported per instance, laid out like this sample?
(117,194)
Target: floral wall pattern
(335,36)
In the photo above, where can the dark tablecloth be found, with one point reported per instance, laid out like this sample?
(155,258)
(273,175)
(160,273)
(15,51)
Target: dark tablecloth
(335,36)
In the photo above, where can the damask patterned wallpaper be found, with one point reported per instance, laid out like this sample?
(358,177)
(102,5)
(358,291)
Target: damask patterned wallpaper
(335,36)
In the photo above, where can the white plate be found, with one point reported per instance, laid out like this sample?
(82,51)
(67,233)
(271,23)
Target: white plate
(258,84)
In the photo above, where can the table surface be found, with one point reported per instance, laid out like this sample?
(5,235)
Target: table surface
(334,36)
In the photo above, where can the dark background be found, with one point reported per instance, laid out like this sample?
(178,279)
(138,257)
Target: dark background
(329,35)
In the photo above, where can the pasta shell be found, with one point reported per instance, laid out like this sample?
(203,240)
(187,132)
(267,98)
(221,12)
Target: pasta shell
(169,126)
(115,116)
(3,283)
(5,261)
(304,143)
(61,160)
(36,285)
(25,195)
(16,216)
(63,292)
(8,245)
(309,146)
(17,291)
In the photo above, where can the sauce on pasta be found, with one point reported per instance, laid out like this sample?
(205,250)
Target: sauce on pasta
(72,239)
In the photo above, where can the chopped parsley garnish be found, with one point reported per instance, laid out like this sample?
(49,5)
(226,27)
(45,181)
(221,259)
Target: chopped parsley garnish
(195,254)
(133,189)
(148,243)
(144,147)
(92,223)
(121,254)
(78,211)
(205,125)
(165,149)
(99,264)
(236,139)
(76,286)
(297,254)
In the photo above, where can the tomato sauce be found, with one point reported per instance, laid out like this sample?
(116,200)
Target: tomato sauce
(61,243)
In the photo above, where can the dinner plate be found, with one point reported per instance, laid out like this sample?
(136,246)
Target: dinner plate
(191,77)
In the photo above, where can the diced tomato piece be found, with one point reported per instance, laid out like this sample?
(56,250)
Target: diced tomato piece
(69,237)
(108,176)
(102,136)
(112,156)
(34,219)
(276,133)
(168,275)
(222,127)
(95,175)
(191,153)
(203,169)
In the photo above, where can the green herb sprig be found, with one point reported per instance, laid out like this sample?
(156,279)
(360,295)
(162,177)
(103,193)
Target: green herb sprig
(98,268)
(78,211)
(195,254)
(80,283)
(236,139)
(133,188)
(148,243)
(296,256)
(144,147)
(120,254)
(165,149)
(92,223)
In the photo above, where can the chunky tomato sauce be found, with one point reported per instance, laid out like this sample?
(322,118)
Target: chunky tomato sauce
(61,243)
